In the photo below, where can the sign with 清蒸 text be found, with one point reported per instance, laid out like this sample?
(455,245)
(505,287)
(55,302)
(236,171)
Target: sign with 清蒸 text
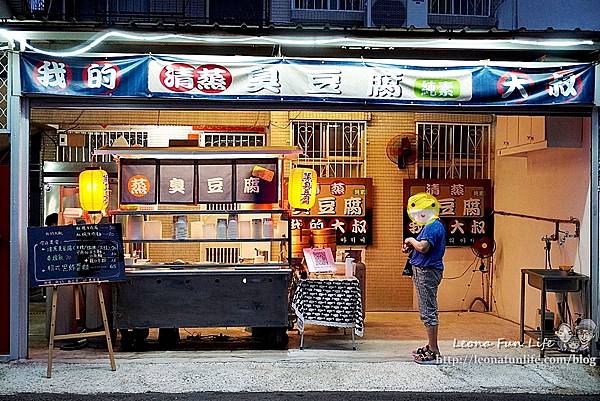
(344,204)
(466,208)
(293,80)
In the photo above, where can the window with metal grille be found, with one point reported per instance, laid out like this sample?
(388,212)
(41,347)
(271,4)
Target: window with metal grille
(342,5)
(477,8)
(212,139)
(94,140)
(332,148)
(453,151)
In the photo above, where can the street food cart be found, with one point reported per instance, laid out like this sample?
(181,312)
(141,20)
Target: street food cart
(207,239)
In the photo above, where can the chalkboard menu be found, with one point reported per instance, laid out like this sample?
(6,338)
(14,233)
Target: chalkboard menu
(75,254)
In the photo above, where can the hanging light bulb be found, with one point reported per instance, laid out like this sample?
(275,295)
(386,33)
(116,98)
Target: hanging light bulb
(93,192)
(302,188)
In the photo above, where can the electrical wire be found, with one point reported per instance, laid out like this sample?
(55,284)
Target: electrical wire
(463,273)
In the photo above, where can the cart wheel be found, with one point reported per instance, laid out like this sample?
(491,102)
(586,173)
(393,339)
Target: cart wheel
(278,338)
(260,333)
(126,340)
(168,337)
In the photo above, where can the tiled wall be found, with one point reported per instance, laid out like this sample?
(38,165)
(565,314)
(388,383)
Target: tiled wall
(387,290)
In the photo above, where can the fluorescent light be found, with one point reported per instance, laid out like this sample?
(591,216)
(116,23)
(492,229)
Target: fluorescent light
(325,41)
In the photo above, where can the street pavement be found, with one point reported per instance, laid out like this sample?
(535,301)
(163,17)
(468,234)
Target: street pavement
(374,367)
(303,396)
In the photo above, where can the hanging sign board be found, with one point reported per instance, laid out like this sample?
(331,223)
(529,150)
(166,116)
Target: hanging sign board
(256,182)
(215,182)
(289,80)
(345,204)
(190,182)
(466,208)
(75,254)
(177,182)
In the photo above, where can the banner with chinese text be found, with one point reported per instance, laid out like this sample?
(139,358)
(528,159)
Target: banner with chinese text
(466,208)
(306,80)
(345,204)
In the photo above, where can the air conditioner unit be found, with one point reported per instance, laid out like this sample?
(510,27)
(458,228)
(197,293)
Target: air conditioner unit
(388,13)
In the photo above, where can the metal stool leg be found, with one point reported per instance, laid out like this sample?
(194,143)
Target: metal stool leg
(353,342)
(302,340)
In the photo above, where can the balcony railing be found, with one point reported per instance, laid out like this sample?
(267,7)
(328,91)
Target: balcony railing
(231,12)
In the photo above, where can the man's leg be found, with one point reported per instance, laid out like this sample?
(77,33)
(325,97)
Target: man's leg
(432,336)
(431,282)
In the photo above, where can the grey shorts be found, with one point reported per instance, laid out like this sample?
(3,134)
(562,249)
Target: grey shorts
(427,282)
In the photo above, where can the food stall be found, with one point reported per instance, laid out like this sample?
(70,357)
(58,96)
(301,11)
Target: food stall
(207,239)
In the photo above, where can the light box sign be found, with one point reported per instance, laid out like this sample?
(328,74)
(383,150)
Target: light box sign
(189,182)
(256,182)
(344,204)
(177,182)
(138,182)
(215,183)
(293,80)
(466,208)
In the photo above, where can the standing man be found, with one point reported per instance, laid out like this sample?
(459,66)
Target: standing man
(427,252)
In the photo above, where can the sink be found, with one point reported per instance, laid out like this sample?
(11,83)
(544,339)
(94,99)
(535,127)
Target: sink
(556,280)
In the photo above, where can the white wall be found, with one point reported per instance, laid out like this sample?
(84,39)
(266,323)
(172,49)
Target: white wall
(550,183)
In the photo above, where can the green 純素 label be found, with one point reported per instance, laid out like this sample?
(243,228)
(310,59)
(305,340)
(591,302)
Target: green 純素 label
(437,88)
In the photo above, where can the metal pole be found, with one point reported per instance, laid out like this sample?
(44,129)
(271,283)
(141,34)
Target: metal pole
(594,227)
(19,205)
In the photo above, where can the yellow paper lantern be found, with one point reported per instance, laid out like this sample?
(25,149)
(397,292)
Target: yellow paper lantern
(302,188)
(93,190)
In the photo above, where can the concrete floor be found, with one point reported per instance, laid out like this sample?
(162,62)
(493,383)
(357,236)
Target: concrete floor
(389,334)
(382,362)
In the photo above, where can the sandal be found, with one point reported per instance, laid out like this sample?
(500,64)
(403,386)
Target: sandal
(428,358)
(421,350)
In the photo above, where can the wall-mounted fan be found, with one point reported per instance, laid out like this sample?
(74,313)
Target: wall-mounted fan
(483,248)
(400,151)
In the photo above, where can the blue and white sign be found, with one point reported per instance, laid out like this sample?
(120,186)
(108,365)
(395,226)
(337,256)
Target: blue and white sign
(307,80)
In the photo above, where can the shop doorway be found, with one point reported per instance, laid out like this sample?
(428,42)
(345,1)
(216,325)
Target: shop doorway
(542,182)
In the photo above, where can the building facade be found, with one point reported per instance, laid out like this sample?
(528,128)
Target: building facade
(386,289)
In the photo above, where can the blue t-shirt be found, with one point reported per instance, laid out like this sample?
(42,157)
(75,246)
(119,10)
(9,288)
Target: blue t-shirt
(435,234)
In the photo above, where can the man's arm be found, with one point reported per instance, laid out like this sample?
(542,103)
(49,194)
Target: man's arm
(420,246)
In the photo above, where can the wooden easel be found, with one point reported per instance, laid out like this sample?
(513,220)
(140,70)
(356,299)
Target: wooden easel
(105,332)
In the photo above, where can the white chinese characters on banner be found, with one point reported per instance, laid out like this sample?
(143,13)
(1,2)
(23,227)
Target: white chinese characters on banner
(101,75)
(212,78)
(178,77)
(53,74)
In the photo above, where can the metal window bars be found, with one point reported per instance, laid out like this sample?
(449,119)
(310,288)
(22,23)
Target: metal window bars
(471,8)
(453,151)
(95,140)
(332,148)
(334,5)
(211,139)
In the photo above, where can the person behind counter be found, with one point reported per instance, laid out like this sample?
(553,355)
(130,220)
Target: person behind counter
(427,252)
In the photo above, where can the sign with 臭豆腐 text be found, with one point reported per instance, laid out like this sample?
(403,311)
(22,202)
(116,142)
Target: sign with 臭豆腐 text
(344,204)
(291,80)
(466,208)
(75,254)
